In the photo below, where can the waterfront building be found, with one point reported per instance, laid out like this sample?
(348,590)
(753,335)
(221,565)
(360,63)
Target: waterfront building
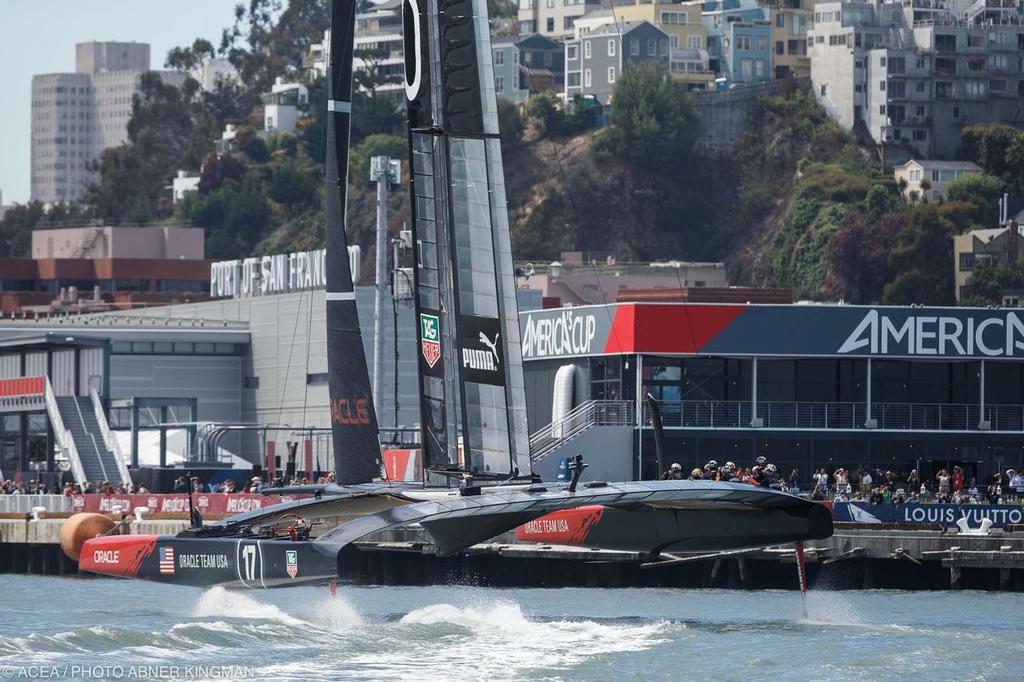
(915,73)
(717,17)
(75,116)
(806,386)
(101,267)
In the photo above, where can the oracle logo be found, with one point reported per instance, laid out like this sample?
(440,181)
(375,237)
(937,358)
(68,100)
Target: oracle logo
(106,556)
(350,411)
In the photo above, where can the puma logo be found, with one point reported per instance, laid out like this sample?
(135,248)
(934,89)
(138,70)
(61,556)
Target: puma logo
(493,345)
(487,360)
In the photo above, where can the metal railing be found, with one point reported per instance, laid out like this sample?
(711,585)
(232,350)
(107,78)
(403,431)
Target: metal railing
(738,414)
(581,418)
(65,441)
(23,504)
(109,440)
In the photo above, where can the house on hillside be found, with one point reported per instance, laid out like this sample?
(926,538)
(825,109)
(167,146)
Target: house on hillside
(934,175)
(595,61)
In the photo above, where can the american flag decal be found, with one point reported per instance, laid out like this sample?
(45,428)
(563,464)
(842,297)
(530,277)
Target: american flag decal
(167,560)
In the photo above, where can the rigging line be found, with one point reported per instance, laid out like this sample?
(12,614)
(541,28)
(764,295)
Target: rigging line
(566,185)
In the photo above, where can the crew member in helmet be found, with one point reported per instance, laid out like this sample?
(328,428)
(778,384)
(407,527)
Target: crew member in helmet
(761,461)
(711,470)
(728,473)
(771,479)
(696,474)
(674,473)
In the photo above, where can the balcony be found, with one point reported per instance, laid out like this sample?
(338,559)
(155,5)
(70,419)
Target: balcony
(820,416)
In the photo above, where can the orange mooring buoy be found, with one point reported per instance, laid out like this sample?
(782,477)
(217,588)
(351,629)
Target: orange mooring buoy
(79,528)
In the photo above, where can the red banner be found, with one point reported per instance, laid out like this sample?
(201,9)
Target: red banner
(23,386)
(207,503)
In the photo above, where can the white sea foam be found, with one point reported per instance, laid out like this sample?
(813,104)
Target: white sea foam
(218,602)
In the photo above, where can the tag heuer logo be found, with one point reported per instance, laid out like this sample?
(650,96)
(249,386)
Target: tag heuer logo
(430,338)
(291,560)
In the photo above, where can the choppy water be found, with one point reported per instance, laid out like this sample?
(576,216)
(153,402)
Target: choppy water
(460,633)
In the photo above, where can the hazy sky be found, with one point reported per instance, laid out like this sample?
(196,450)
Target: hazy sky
(39,36)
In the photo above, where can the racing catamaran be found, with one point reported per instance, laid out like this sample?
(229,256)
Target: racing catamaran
(473,403)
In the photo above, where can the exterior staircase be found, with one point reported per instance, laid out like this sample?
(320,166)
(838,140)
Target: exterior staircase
(600,430)
(98,462)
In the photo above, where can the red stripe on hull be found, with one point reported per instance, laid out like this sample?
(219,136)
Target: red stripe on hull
(569,527)
(116,555)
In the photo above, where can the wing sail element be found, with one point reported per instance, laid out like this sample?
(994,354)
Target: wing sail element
(473,400)
(357,457)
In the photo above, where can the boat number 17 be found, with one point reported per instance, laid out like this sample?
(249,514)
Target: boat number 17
(249,561)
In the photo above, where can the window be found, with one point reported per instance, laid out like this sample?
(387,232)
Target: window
(975,88)
(936,176)
(920,86)
(611,47)
(743,43)
(780,47)
(586,78)
(634,47)
(573,79)
(966,262)
(499,57)
(858,87)
(586,49)
(956,112)
(693,42)
(547,59)
(780,20)
(762,44)
(499,84)
(568,23)
(919,112)
(651,47)
(316,379)
(674,18)
(997,85)
(611,74)
(663,47)
(759,68)
(570,52)
(551,25)
(881,86)
(915,175)
(920,135)
(251,382)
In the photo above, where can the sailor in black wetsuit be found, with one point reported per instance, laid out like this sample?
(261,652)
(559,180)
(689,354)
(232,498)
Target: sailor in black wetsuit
(728,473)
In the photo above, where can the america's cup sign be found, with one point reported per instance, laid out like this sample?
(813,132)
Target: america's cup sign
(562,334)
(879,333)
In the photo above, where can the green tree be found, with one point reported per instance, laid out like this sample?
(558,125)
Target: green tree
(923,260)
(654,121)
(858,256)
(987,282)
(542,110)
(998,148)
(981,190)
(16,229)
(266,42)
(236,216)
(393,145)
(510,124)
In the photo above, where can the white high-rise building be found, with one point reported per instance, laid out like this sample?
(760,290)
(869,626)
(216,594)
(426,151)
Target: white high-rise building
(75,116)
